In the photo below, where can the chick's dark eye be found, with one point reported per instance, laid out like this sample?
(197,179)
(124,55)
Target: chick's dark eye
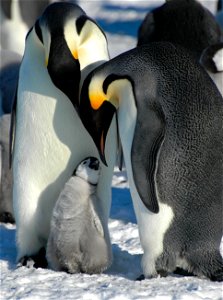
(85,163)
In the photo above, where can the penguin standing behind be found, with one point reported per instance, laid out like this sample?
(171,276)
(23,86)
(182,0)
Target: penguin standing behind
(50,139)
(76,225)
(183,22)
(212,61)
(17,16)
(170,119)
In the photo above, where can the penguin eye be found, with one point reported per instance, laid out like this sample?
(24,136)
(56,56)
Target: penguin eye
(84,163)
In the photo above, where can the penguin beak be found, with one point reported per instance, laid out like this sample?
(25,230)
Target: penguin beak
(96,121)
(104,120)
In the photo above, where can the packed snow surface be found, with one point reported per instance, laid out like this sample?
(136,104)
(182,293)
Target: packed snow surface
(120,20)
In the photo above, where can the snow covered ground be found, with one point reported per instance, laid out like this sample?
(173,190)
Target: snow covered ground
(120,20)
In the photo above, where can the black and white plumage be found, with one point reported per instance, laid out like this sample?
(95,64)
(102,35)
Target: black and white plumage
(17,16)
(50,139)
(170,118)
(76,242)
(184,22)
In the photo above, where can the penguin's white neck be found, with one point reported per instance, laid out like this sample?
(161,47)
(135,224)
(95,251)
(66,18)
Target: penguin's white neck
(127,116)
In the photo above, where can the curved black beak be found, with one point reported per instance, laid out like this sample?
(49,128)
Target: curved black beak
(96,121)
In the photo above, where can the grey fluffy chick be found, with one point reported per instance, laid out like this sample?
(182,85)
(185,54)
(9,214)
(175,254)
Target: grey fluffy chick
(76,242)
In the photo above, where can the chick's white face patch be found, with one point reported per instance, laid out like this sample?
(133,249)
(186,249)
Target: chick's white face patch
(218,60)
(89,170)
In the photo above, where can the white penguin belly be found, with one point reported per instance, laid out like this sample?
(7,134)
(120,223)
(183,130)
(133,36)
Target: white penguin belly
(48,134)
(50,141)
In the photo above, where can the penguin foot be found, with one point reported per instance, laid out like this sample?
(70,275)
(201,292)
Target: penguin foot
(140,278)
(182,272)
(217,276)
(34,261)
(6,217)
(163,273)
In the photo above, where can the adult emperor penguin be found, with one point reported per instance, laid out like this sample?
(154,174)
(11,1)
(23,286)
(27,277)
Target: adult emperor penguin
(171,130)
(50,139)
(184,22)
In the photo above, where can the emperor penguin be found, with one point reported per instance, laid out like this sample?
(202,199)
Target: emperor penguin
(219,14)
(17,16)
(184,22)
(48,137)
(76,225)
(170,120)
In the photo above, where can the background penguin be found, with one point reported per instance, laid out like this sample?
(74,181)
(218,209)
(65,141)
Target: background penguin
(9,72)
(212,60)
(50,139)
(76,225)
(184,22)
(171,129)
(17,16)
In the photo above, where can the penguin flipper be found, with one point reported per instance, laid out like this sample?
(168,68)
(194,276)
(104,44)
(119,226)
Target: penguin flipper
(149,134)
(12,129)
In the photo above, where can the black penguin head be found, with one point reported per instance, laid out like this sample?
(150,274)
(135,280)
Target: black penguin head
(89,170)
(68,35)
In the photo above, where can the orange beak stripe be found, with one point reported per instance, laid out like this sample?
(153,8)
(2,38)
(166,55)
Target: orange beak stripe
(96,100)
(75,54)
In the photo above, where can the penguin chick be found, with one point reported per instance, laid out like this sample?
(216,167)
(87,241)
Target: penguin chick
(75,225)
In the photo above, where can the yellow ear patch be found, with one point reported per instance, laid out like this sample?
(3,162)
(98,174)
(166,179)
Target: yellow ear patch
(75,54)
(96,99)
